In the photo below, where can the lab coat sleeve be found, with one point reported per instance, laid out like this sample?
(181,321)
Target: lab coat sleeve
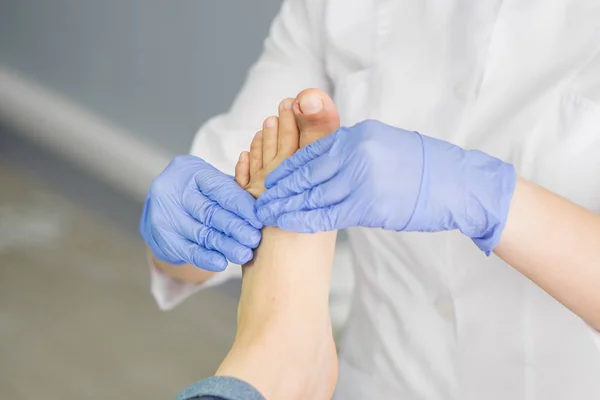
(169,292)
(596,337)
(292,60)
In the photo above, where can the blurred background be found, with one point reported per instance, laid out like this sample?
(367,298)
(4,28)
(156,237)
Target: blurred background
(95,99)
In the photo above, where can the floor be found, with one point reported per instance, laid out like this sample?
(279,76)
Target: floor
(76,317)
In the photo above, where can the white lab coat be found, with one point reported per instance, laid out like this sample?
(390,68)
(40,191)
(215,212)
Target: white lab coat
(432,317)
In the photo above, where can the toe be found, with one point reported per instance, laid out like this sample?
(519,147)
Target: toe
(256,152)
(289,134)
(242,169)
(316,115)
(270,139)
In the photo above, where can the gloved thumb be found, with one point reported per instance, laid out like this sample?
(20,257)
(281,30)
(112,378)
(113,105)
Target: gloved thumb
(299,159)
(312,221)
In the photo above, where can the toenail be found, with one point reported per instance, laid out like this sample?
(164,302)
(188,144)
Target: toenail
(287,104)
(244,156)
(270,122)
(259,135)
(311,104)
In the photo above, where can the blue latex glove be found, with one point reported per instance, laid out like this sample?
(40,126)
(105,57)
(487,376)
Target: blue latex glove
(375,175)
(198,215)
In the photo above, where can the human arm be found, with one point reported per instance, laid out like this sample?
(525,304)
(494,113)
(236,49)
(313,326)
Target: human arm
(556,244)
(379,176)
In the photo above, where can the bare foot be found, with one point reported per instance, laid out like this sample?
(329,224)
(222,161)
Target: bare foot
(311,116)
(284,302)
(278,140)
(316,115)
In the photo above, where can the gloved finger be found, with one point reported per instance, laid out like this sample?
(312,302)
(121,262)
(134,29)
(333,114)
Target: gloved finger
(270,221)
(312,221)
(300,158)
(166,249)
(144,226)
(202,258)
(178,250)
(306,177)
(326,194)
(213,215)
(211,239)
(223,189)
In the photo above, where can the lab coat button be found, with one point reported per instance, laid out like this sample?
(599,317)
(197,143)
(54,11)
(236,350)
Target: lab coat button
(461,90)
(445,307)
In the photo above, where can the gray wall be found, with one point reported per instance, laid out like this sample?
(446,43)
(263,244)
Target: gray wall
(159,68)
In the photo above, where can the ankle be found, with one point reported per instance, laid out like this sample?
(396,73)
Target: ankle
(293,364)
(302,287)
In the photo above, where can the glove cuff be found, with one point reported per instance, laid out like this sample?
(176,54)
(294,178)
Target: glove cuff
(493,194)
(463,189)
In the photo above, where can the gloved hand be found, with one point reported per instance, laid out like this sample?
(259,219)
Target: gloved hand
(375,175)
(196,214)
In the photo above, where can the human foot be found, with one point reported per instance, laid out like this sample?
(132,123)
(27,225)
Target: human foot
(316,115)
(311,116)
(283,316)
(278,140)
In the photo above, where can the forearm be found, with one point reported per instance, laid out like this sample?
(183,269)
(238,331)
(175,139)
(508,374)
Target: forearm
(187,273)
(556,244)
(283,318)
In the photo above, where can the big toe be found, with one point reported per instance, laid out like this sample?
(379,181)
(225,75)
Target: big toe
(316,115)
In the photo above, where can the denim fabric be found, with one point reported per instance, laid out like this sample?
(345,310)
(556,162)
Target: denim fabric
(220,388)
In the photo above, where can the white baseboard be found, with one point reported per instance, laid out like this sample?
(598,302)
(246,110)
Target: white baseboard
(75,133)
